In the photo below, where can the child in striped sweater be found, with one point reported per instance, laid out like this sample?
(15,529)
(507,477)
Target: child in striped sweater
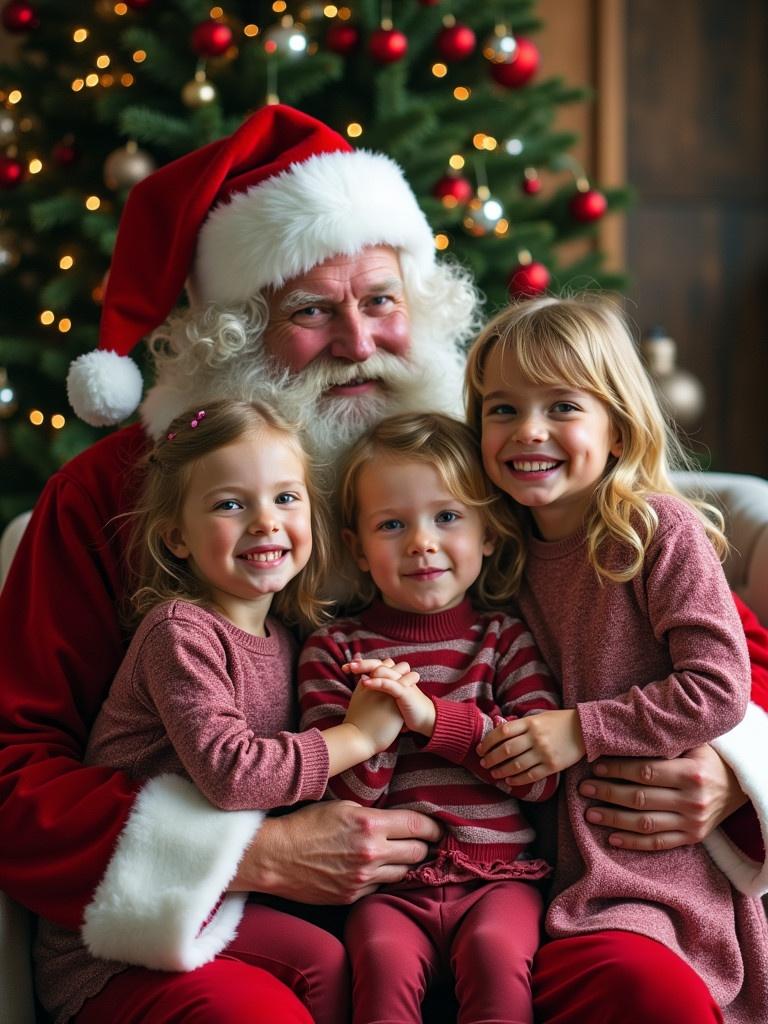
(418,521)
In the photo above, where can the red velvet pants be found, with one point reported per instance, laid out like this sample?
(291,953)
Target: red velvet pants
(279,969)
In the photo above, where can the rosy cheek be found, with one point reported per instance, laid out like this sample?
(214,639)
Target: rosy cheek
(393,333)
(293,347)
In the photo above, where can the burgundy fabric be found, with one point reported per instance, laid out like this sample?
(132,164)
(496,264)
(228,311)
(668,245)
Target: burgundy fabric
(484,934)
(163,214)
(617,977)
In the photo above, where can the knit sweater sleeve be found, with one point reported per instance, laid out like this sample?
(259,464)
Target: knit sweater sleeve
(522,686)
(183,670)
(324,693)
(690,609)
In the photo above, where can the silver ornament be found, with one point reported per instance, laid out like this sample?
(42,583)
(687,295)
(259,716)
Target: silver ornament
(288,38)
(10,254)
(127,166)
(482,214)
(681,394)
(8,127)
(8,401)
(501,46)
(199,92)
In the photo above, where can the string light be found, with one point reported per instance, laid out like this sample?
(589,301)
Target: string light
(47,317)
(279,6)
(442,242)
(103,61)
(57,421)
(92,203)
(461,93)
(120,9)
(250,30)
(36,418)
(66,262)
(354,130)
(35,165)
(64,325)
(345,13)
(439,70)
(478,140)
(91,80)
(80,35)
(216,12)
(330,10)
(107,80)
(14,96)
(456,162)
(77,85)
(139,56)
(126,79)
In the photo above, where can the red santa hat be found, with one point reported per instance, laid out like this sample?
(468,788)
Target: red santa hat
(277,197)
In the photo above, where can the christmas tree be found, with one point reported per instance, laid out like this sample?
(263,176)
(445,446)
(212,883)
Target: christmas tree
(94,100)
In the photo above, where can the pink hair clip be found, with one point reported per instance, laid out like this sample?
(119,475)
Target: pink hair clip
(171,436)
(198,416)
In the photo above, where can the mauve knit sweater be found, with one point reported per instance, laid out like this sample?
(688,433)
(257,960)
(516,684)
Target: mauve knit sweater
(200,698)
(653,667)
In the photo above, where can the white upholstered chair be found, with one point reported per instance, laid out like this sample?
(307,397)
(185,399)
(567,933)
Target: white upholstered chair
(744,501)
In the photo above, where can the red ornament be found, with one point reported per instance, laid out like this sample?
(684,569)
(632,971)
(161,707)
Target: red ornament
(456,42)
(453,187)
(520,69)
(588,206)
(12,172)
(20,16)
(211,38)
(65,153)
(387,45)
(528,279)
(531,183)
(342,39)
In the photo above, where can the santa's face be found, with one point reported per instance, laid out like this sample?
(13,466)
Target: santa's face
(342,312)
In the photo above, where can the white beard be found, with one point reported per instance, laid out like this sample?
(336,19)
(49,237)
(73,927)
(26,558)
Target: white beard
(429,379)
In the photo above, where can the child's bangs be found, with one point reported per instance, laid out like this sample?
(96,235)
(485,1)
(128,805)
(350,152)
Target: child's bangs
(547,359)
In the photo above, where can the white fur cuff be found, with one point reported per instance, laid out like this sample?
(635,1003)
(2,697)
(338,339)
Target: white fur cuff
(745,751)
(156,905)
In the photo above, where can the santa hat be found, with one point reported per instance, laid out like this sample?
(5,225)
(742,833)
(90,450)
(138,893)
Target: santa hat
(277,197)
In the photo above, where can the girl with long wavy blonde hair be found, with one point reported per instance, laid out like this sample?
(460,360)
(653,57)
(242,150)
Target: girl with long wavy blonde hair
(619,580)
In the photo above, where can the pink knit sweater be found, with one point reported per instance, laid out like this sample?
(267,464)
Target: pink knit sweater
(653,667)
(478,668)
(200,698)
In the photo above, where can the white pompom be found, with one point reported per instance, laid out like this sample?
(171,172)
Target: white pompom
(103,387)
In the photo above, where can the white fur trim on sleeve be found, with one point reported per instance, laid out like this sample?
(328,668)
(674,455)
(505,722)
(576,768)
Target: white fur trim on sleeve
(745,750)
(158,903)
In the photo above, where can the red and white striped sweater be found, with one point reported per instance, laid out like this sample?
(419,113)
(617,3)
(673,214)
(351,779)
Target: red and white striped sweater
(478,669)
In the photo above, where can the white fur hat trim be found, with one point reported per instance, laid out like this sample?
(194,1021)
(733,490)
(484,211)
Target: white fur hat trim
(104,388)
(333,204)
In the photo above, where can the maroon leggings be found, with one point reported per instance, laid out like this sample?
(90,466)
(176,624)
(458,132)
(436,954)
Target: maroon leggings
(279,969)
(483,934)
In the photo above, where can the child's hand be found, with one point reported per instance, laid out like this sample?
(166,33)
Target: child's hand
(528,749)
(400,683)
(376,717)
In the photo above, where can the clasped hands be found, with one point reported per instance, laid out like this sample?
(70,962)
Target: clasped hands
(388,693)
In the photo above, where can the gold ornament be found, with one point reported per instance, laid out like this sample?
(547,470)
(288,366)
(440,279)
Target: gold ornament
(681,394)
(127,166)
(199,92)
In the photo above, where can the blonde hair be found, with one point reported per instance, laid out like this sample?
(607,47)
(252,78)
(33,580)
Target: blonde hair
(584,342)
(167,469)
(449,446)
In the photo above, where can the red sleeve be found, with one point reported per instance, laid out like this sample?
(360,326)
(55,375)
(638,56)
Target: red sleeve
(742,827)
(61,645)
